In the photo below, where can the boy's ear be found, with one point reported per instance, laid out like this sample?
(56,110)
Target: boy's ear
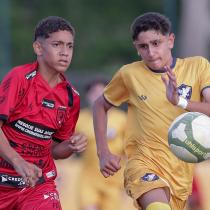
(37,48)
(171,40)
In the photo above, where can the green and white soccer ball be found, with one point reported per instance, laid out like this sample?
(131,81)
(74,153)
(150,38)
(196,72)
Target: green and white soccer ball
(189,137)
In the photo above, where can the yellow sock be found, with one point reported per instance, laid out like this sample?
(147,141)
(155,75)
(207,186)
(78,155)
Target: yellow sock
(158,206)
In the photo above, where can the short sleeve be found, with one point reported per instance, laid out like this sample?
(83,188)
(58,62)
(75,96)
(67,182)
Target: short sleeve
(204,74)
(116,91)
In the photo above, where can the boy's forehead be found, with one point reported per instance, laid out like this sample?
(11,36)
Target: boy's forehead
(148,36)
(61,35)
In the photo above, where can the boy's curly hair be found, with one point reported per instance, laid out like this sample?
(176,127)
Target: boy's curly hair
(150,21)
(50,25)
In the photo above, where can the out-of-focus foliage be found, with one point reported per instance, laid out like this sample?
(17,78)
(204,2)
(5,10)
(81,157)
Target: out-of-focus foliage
(102,29)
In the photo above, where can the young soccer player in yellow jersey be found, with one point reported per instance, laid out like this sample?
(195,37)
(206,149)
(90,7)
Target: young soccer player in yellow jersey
(97,193)
(157,89)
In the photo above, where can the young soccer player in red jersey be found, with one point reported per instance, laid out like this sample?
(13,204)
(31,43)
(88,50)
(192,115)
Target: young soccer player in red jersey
(38,112)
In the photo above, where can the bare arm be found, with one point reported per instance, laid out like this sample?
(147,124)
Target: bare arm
(77,143)
(6,151)
(109,163)
(28,171)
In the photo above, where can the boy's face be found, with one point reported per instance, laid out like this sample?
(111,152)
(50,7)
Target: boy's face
(55,52)
(155,48)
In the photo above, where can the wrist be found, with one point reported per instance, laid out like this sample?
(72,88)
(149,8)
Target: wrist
(182,102)
(16,160)
(102,152)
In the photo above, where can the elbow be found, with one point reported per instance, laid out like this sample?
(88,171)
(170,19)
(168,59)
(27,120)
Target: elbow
(96,104)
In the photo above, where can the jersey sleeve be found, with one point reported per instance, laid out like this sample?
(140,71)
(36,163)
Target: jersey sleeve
(11,91)
(204,74)
(68,127)
(116,91)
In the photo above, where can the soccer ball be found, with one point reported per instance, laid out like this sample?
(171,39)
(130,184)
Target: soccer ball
(189,137)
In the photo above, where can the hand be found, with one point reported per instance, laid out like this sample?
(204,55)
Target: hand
(109,164)
(77,143)
(171,86)
(30,172)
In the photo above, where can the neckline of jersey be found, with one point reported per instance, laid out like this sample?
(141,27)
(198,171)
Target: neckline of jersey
(62,83)
(163,70)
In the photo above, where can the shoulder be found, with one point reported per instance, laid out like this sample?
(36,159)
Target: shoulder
(73,89)
(195,60)
(131,68)
(24,72)
(19,75)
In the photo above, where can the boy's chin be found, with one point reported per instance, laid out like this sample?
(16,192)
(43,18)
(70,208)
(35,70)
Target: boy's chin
(156,67)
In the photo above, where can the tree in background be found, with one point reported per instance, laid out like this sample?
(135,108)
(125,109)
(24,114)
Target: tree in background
(102,38)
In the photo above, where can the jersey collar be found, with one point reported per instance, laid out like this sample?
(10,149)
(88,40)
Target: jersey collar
(163,70)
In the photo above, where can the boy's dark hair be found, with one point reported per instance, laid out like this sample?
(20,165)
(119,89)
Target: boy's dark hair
(150,21)
(50,25)
(95,81)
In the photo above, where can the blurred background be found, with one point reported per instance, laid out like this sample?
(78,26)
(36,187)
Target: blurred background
(103,42)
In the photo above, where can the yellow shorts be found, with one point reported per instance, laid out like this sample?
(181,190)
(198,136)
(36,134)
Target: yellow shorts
(145,180)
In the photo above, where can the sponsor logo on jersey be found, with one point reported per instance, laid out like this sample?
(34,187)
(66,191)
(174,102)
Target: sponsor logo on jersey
(33,129)
(185,91)
(142,97)
(51,196)
(50,174)
(150,177)
(48,103)
(16,181)
(30,75)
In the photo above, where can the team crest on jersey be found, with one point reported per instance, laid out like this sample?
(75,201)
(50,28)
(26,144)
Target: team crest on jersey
(60,114)
(149,177)
(185,91)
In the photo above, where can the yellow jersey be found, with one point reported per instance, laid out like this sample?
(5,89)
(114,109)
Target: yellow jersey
(150,115)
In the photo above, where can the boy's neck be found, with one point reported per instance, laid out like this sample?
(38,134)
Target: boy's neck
(172,63)
(52,78)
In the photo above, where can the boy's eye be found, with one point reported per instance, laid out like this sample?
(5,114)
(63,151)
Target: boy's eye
(55,44)
(143,46)
(156,43)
